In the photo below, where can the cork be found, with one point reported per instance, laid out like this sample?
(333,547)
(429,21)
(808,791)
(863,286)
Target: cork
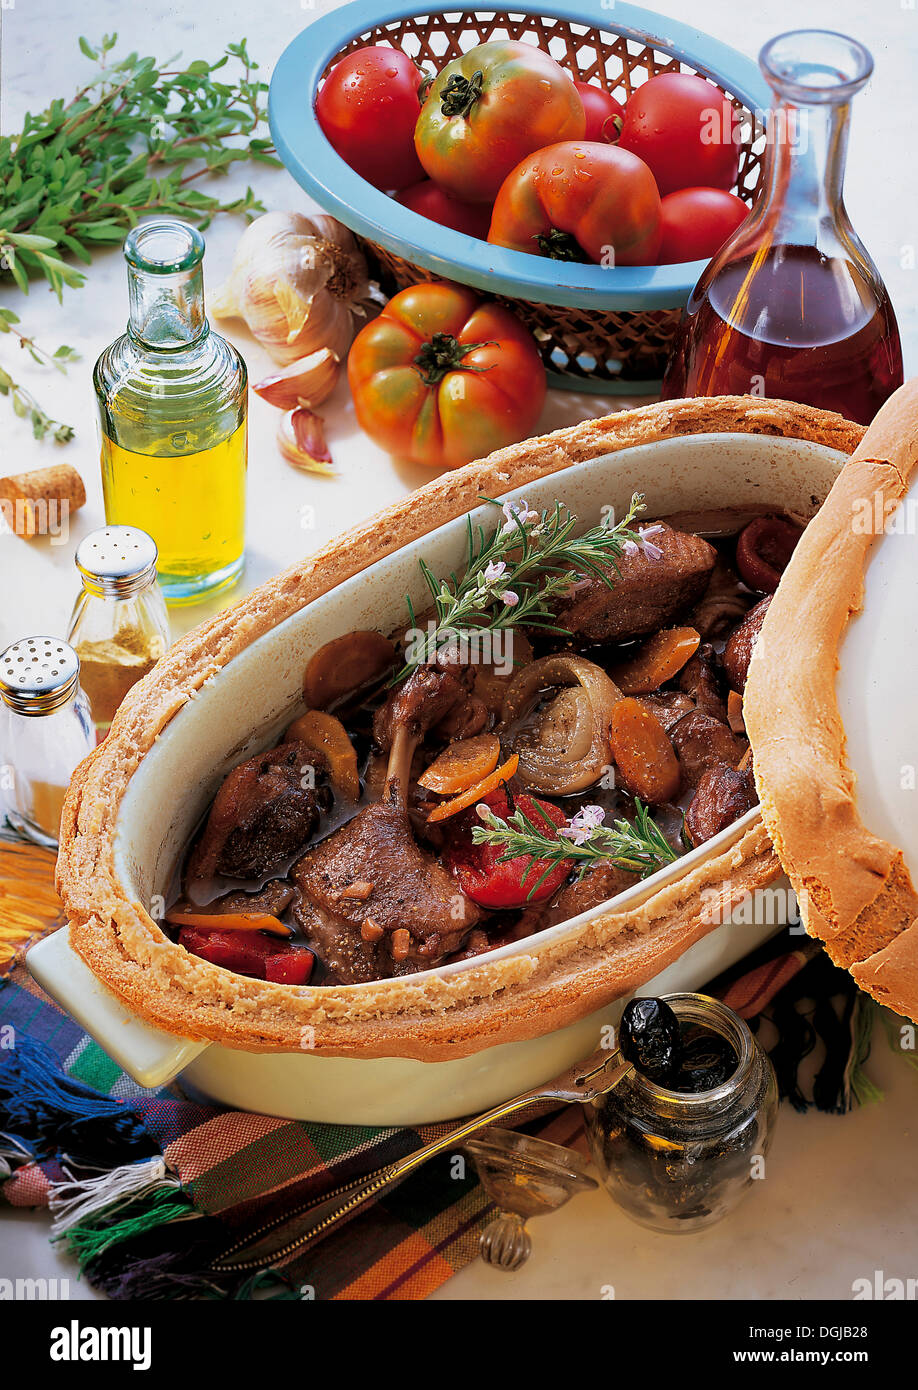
(39,503)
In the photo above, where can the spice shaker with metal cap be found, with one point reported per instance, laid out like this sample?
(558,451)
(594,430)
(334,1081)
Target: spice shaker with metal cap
(119,627)
(45,730)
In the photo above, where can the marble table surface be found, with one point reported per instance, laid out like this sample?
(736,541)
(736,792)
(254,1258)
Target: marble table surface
(838,1199)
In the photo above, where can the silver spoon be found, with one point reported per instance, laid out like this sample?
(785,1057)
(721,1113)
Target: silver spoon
(524,1177)
(279,1241)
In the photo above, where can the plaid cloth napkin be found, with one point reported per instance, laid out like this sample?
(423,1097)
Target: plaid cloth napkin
(146,1188)
(237,1170)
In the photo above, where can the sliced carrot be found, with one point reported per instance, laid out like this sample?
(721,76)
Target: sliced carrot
(660,658)
(326,734)
(735,712)
(643,753)
(481,789)
(230,921)
(462,764)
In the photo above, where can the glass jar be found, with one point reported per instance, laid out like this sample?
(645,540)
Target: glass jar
(792,306)
(678,1161)
(171,395)
(46,730)
(119,627)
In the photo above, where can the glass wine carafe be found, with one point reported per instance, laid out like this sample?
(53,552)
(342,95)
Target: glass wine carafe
(792,306)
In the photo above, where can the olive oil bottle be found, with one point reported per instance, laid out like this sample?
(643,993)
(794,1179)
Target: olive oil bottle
(172,408)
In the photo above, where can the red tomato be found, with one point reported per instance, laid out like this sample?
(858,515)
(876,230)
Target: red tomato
(490,108)
(442,377)
(685,130)
(368,108)
(488,882)
(697,222)
(580,202)
(430,201)
(604,115)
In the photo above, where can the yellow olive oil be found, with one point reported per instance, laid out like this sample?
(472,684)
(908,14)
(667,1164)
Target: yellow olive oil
(193,505)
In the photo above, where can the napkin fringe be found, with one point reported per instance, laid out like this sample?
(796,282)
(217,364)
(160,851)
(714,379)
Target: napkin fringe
(93,1236)
(79,1201)
(49,1112)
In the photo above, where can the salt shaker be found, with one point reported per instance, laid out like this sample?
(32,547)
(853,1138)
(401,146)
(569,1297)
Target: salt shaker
(119,627)
(46,730)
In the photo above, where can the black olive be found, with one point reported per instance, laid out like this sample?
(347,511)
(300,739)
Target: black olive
(707,1061)
(649,1037)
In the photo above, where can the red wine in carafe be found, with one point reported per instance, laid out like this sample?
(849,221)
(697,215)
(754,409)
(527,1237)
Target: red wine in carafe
(789,322)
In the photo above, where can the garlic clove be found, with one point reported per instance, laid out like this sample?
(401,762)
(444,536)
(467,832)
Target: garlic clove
(301,440)
(308,381)
(294,306)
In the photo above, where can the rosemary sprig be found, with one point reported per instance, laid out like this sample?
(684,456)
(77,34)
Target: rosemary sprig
(513,574)
(23,402)
(132,141)
(640,848)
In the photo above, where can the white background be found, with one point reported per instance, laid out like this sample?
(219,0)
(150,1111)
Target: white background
(838,1202)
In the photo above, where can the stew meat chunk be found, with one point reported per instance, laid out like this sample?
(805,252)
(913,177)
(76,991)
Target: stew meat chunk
(373,903)
(724,794)
(267,808)
(658,579)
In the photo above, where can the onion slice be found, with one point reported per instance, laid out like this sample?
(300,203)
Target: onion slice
(566,748)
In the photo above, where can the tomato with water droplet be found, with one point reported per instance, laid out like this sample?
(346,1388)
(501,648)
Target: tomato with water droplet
(368,108)
(580,201)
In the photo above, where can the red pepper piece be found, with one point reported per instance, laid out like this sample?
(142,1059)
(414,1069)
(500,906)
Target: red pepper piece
(290,967)
(245,954)
(505,885)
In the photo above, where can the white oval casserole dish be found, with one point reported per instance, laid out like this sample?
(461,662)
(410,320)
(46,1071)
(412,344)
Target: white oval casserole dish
(466,1035)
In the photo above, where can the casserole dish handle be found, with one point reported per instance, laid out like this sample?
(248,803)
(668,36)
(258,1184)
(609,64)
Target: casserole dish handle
(150,1056)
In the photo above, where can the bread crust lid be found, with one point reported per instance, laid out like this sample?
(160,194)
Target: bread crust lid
(854,888)
(554,978)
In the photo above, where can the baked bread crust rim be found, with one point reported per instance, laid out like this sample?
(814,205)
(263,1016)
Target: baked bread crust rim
(854,889)
(546,984)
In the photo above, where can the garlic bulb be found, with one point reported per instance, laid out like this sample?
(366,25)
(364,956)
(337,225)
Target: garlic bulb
(298,282)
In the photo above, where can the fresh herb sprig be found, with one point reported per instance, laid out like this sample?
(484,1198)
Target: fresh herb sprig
(513,574)
(24,403)
(640,848)
(134,140)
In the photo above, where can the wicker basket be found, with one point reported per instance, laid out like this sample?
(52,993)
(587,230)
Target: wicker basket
(599,329)
(583,349)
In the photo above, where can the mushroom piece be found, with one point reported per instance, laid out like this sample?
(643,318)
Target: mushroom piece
(738,651)
(702,743)
(699,680)
(345,666)
(724,794)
